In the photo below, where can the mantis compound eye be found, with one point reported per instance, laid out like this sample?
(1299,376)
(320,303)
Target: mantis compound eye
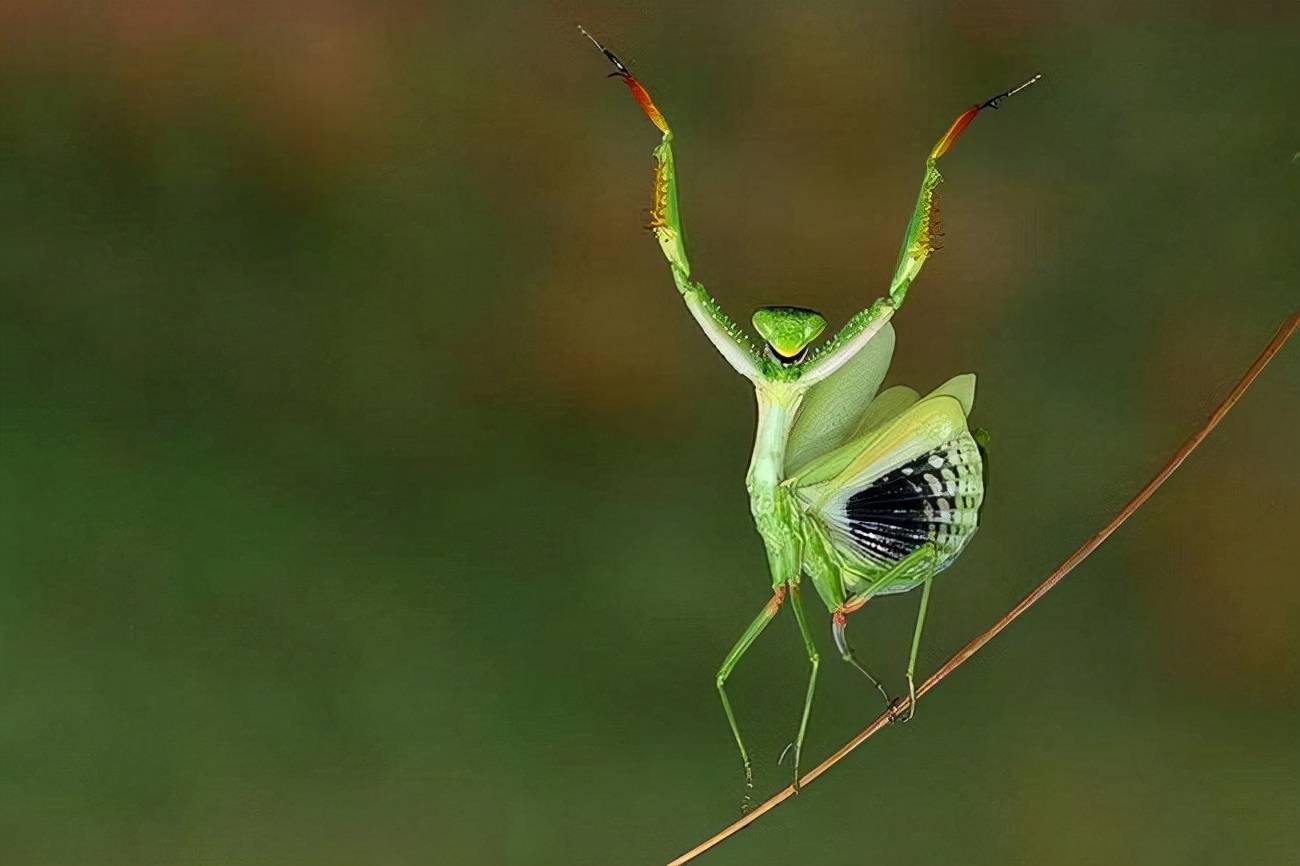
(788,330)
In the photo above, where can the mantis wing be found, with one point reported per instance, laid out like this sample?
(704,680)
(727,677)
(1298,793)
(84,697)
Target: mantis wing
(833,408)
(916,478)
(888,404)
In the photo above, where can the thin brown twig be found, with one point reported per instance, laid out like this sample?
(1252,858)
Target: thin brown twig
(1284,333)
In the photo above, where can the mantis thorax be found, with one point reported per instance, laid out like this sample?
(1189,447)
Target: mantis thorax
(773,509)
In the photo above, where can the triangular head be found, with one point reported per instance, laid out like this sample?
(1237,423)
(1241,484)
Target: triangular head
(788,331)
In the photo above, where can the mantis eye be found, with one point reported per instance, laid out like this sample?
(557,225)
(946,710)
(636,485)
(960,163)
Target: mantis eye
(788,330)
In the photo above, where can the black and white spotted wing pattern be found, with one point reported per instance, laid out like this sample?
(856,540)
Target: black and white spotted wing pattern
(934,497)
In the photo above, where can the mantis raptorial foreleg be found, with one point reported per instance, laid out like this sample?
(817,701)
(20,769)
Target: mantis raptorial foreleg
(922,234)
(920,239)
(750,635)
(666,223)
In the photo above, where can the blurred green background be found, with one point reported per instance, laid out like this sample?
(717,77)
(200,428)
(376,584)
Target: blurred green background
(367,495)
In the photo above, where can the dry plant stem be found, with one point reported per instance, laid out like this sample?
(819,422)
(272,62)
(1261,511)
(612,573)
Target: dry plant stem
(1284,333)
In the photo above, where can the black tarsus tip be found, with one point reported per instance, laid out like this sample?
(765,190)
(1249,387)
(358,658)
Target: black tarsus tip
(618,64)
(993,103)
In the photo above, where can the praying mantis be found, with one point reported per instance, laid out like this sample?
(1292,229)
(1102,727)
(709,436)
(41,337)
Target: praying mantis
(863,493)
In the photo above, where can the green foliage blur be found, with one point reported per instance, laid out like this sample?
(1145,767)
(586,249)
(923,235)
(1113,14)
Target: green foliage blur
(367,495)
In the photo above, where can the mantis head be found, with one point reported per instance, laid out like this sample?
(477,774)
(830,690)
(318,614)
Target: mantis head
(788,330)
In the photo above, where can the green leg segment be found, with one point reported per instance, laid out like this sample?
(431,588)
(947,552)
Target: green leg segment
(751,634)
(923,559)
(838,623)
(916,645)
(815,661)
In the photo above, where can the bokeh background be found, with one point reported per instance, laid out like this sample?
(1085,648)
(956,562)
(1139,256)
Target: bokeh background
(367,495)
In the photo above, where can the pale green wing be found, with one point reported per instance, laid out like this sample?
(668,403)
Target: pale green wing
(960,387)
(915,479)
(888,404)
(931,422)
(833,408)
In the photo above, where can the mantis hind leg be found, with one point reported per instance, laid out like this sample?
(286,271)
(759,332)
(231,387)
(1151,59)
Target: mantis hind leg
(838,622)
(750,635)
(916,645)
(905,571)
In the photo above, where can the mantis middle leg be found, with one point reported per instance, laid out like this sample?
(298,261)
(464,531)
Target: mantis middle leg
(765,616)
(814,660)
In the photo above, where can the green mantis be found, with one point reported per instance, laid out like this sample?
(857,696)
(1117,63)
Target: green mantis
(862,493)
